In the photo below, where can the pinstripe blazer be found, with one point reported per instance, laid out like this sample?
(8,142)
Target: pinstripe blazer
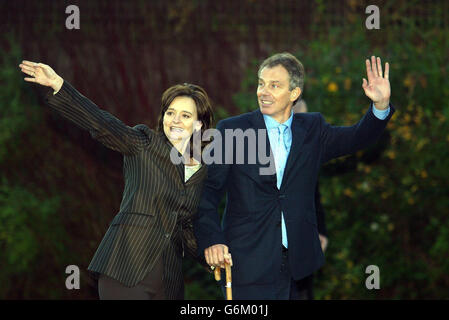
(155,199)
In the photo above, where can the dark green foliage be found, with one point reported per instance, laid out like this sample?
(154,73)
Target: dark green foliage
(30,229)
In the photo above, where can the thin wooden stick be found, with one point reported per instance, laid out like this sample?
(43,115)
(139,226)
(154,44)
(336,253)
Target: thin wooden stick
(228,282)
(217,272)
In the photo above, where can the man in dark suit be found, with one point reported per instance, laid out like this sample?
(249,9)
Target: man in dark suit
(269,224)
(305,285)
(300,106)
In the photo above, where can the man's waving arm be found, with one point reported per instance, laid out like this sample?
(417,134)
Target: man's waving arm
(338,141)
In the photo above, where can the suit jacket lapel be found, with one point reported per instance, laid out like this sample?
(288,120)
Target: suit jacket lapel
(257,122)
(179,167)
(298,136)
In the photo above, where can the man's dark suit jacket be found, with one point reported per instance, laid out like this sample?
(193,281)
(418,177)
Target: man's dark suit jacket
(320,214)
(252,218)
(156,202)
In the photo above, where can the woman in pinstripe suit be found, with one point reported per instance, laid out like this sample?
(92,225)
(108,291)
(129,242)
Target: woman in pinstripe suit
(140,256)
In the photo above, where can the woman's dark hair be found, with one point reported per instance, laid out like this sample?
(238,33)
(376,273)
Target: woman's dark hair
(202,102)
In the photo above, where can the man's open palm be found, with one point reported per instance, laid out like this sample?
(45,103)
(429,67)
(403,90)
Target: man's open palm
(377,88)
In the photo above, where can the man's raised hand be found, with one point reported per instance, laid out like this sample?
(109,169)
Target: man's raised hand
(377,88)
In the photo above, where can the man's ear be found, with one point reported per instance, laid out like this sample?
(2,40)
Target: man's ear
(295,94)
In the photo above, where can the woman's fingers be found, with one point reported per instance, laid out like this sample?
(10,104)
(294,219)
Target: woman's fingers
(33,66)
(30,72)
(29,63)
(43,65)
(25,67)
(41,74)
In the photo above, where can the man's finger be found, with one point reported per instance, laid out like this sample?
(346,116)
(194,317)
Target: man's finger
(215,256)
(379,66)
(387,70)
(207,255)
(228,259)
(225,250)
(227,255)
(374,66)
(369,72)
(220,250)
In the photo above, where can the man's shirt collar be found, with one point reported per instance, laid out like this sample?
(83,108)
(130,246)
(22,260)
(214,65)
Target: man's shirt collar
(270,123)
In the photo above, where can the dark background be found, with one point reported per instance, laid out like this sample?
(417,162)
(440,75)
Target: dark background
(59,189)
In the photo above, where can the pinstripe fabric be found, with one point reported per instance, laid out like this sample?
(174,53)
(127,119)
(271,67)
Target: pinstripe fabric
(157,205)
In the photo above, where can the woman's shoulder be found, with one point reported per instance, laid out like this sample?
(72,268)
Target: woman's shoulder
(150,135)
(144,129)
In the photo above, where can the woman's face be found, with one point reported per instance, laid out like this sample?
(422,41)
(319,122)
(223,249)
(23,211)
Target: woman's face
(180,119)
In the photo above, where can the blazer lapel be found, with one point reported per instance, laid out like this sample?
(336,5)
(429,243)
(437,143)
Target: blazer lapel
(179,167)
(257,122)
(298,136)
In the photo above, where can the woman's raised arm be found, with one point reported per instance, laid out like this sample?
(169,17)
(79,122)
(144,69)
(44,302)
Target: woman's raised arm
(71,104)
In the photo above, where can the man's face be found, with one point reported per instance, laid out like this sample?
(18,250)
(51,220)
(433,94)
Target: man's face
(274,97)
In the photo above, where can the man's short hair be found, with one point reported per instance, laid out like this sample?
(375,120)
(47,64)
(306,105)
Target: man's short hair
(293,66)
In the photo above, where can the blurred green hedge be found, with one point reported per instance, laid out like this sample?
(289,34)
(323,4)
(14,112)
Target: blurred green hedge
(30,228)
(49,213)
